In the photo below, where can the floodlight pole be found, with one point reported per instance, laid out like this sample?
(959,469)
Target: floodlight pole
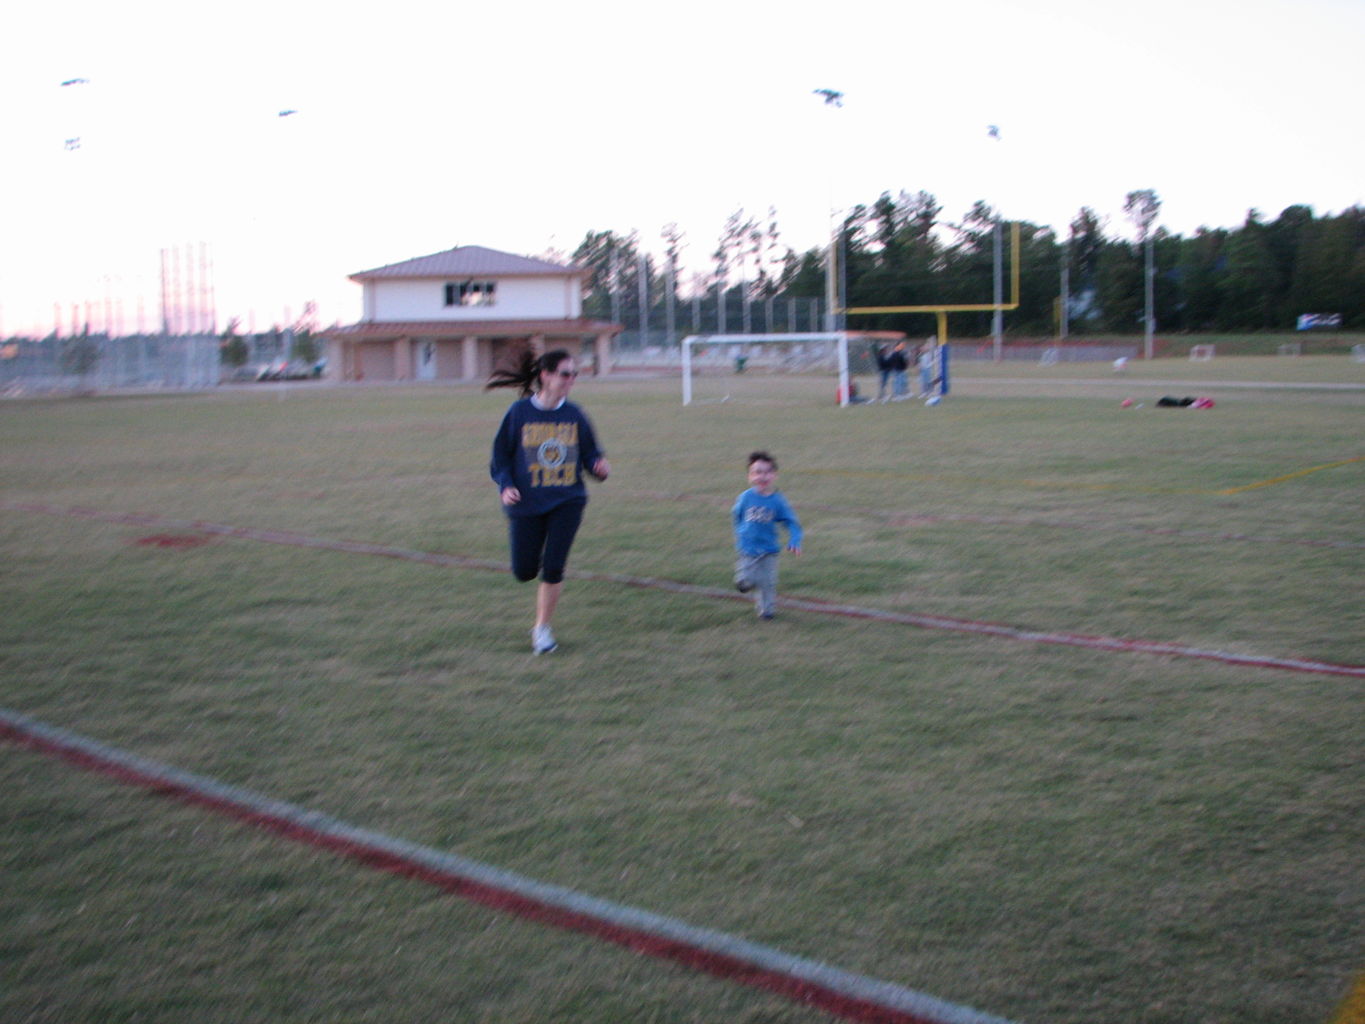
(687,369)
(670,313)
(998,279)
(1142,207)
(1149,320)
(831,290)
(998,297)
(1064,314)
(833,99)
(642,288)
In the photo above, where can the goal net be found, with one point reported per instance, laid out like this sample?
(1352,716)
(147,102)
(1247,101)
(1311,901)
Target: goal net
(718,367)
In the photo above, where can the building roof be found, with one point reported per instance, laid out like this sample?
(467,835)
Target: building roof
(466,261)
(372,330)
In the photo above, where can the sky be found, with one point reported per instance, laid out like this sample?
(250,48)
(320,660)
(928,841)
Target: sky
(522,127)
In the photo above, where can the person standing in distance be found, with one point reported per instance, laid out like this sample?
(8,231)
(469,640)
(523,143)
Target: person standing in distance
(900,388)
(757,513)
(541,453)
(882,354)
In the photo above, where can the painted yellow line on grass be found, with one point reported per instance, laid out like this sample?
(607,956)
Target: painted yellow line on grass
(1289,476)
(1353,1009)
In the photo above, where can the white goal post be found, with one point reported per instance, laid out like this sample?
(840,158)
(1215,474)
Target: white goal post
(839,338)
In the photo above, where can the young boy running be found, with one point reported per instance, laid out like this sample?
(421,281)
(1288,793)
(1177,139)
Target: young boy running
(756,514)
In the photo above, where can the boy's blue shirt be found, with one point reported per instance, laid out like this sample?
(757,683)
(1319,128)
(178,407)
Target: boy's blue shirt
(756,519)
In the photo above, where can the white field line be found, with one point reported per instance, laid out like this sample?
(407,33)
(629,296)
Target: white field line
(1186,386)
(853,996)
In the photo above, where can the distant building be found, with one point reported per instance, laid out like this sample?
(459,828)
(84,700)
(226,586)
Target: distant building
(455,315)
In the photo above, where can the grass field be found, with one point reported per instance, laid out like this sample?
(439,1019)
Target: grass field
(1052,834)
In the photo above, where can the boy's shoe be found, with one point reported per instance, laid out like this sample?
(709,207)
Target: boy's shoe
(765,615)
(743,586)
(542,640)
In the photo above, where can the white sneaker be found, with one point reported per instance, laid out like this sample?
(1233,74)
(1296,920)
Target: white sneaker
(542,640)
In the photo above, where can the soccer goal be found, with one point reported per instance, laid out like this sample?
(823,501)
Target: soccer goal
(721,358)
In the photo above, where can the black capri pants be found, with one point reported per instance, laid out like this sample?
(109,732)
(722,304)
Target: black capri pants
(540,543)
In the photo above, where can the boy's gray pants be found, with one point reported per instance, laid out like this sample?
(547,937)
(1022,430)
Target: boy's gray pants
(759,573)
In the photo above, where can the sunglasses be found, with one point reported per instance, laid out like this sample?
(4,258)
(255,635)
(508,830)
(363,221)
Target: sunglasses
(567,374)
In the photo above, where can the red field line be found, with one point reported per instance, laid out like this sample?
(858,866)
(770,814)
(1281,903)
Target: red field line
(932,518)
(1126,645)
(850,996)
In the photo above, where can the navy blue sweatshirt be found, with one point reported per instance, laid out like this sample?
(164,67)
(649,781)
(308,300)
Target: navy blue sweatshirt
(543,453)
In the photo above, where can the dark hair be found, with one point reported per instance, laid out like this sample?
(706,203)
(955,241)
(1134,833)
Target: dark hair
(525,374)
(762,457)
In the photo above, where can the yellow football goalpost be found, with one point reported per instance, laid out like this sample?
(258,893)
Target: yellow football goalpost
(840,338)
(941,312)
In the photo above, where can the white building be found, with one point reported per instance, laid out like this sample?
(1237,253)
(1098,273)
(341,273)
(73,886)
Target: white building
(457,314)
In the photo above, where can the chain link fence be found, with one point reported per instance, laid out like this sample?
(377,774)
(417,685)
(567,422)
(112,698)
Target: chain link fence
(98,362)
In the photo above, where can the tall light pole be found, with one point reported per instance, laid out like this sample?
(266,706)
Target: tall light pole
(73,129)
(1142,207)
(998,294)
(835,99)
(642,287)
(998,278)
(1149,300)
(1064,310)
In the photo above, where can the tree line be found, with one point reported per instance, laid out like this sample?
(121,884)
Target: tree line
(901,251)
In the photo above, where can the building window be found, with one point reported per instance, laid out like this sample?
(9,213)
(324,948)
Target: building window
(470,293)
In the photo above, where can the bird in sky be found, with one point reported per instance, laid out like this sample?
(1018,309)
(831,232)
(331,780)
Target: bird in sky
(833,97)
(993,130)
(286,113)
